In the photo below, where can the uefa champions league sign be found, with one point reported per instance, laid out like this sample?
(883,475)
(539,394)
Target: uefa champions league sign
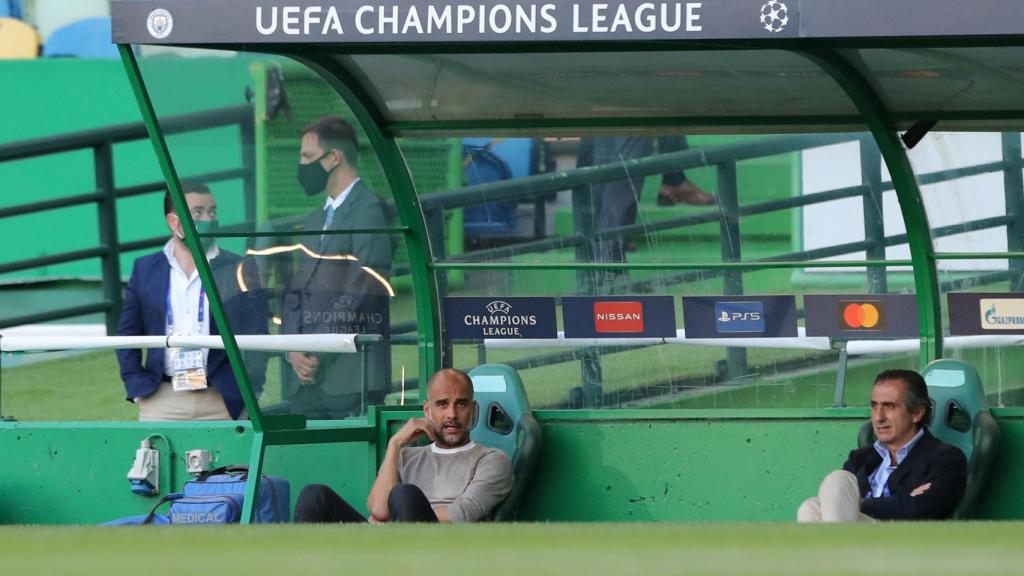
(430,21)
(345,21)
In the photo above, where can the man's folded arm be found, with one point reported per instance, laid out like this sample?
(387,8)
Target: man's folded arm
(948,479)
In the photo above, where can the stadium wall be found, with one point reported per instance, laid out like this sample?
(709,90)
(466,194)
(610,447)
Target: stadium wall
(618,465)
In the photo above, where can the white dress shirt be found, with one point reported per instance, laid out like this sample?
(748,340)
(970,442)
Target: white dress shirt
(184,292)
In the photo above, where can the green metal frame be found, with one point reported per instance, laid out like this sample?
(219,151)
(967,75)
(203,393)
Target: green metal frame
(908,193)
(163,155)
(424,269)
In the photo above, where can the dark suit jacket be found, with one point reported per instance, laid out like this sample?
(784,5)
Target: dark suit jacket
(341,297)
(931,460)
(145,314)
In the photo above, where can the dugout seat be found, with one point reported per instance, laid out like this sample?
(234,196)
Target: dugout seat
(961,418)
(507,423)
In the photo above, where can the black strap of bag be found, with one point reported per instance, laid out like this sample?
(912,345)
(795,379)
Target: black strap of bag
(240,469)
(166,498)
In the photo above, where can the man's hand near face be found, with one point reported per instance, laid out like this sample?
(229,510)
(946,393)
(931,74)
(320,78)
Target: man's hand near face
(387,477)
(413,430)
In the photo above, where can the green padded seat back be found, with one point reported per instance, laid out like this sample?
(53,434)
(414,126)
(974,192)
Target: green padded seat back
(957,395)
(506,423)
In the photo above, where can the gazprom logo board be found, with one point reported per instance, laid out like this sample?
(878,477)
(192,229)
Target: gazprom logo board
(861,317)
(474,318)
(619,317)
(739,316)
(986,313)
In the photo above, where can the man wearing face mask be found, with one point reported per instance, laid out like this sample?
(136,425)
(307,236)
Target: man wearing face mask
(341,283)
(450,480)
(165,296)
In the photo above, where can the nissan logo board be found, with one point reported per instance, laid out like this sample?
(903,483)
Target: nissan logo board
(739,316)
(619,317)
(861,316)
(476,318)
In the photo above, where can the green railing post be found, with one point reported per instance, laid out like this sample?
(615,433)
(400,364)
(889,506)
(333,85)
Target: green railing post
(588,282)
(874,221)
(732,280)
(1013,189)
(435,232)
(247,132)
(103,160)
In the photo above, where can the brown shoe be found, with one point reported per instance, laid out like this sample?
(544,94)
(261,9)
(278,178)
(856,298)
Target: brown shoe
(685,193)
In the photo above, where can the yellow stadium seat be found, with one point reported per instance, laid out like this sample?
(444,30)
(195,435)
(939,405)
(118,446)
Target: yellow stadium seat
(18,40)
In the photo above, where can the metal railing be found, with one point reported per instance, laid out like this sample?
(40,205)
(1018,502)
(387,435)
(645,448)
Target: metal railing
(728,213)
(101,143)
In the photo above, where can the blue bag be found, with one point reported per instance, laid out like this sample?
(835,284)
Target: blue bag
(216,497)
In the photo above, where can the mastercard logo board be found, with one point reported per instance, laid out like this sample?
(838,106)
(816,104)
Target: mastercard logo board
(860,315)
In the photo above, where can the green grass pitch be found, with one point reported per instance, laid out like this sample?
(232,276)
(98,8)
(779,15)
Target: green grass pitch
(565,549)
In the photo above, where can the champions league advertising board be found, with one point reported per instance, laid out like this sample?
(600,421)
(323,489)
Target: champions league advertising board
(429,21)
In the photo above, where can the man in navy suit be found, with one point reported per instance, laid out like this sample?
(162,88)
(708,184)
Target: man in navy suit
(341,283)
(908,474)
(165,296)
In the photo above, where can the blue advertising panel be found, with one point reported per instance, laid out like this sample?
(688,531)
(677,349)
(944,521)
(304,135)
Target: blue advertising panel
(619,316)
(861,316)
(739,316)
(496,317)
(978,313)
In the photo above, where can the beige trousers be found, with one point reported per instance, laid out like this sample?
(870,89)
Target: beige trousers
(838,500)
(166,405)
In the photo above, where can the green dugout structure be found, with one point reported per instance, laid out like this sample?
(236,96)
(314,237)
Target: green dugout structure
(900,130)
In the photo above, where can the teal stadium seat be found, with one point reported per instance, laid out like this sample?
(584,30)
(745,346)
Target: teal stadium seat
(961,418)
(506,423)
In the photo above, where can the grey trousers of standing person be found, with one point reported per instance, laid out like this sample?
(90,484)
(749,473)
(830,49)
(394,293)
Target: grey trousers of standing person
(838,500)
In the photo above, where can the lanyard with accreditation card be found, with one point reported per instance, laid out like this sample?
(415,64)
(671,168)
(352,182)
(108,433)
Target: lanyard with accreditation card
(188,369)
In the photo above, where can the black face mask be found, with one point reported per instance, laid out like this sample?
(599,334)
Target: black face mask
(312,177)
(207,227)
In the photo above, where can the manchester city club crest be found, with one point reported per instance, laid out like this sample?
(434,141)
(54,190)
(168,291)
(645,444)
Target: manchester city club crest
(160,23)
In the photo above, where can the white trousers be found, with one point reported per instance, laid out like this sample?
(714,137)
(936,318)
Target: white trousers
(838,500)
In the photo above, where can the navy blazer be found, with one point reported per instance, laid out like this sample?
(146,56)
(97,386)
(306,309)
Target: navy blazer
(931,460)
(145,314)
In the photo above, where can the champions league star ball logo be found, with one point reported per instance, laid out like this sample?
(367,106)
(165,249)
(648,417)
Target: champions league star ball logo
(774,16)
(159,23)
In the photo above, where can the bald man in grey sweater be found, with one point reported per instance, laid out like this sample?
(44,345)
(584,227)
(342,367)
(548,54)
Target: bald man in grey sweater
(451,480)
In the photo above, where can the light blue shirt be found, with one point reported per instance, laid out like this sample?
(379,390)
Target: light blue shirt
(880,478)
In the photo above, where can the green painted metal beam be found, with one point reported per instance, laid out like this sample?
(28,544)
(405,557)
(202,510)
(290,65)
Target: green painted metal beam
(166,162)
(664,265)
(407,205)
(979,255)
(576,126)
(908,193)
